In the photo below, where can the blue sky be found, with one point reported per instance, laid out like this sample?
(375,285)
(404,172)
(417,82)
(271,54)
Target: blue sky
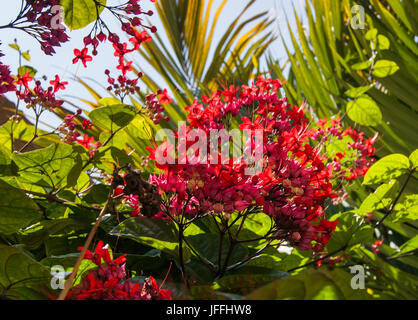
(61,62)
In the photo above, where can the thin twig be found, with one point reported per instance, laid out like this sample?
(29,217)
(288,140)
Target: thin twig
(69,282)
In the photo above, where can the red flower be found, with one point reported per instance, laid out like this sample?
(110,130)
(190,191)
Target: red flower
(125,67)
(164,98)
(86,141)
(86,124)
(375,246)
(140,37)
(82,55)
(109,281)
(24,80)
(58,84)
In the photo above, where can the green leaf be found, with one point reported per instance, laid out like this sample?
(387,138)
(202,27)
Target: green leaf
(68,261)
(208,246)
(105,102)
(410,245)
(152,232)
(113,117)
(362,65)
(351,231)
(97,194)
(383,42)
(7,166)
(118,140)
(80,13)
(22,274)
(143,128)
(414,158)
(371,35)
(384,68)
(14,46)
(357,92)
(381,198)
(364,111)
(406,208)
(387,168)
(21,130)
(17,210)
(311,284)
(26,55)
(57,166)
(23,69)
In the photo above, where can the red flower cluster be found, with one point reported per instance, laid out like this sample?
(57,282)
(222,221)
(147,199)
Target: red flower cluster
(47,35)
(109,281)
(292,186)
(376,245)
(154,105)
(124,86)
(37,96)
(355,163)
(69,131)
(6,80)
(128,14)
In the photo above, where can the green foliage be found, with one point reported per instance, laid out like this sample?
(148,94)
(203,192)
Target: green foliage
(17,210)
(113,117)
(50,197)
(384,68)
(364,111)
(186,62)
(56,166)
(332,58)
(24,69)
(21,276)
(387,168)
(152,232)
(311,285)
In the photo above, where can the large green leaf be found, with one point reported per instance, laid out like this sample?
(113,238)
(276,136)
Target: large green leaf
(80,13)
(20,275)
(311,284)
(414,158)
(113,117)
(208,246)
(57,166)
(387,168)
(384,68)
(381,198)
(351,231)
(17,210)
(364,111)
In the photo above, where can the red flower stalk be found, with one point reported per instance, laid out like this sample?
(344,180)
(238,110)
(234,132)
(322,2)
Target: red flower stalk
(109,281)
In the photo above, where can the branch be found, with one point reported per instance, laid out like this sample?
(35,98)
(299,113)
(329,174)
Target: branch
(69,282)
(250,257)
